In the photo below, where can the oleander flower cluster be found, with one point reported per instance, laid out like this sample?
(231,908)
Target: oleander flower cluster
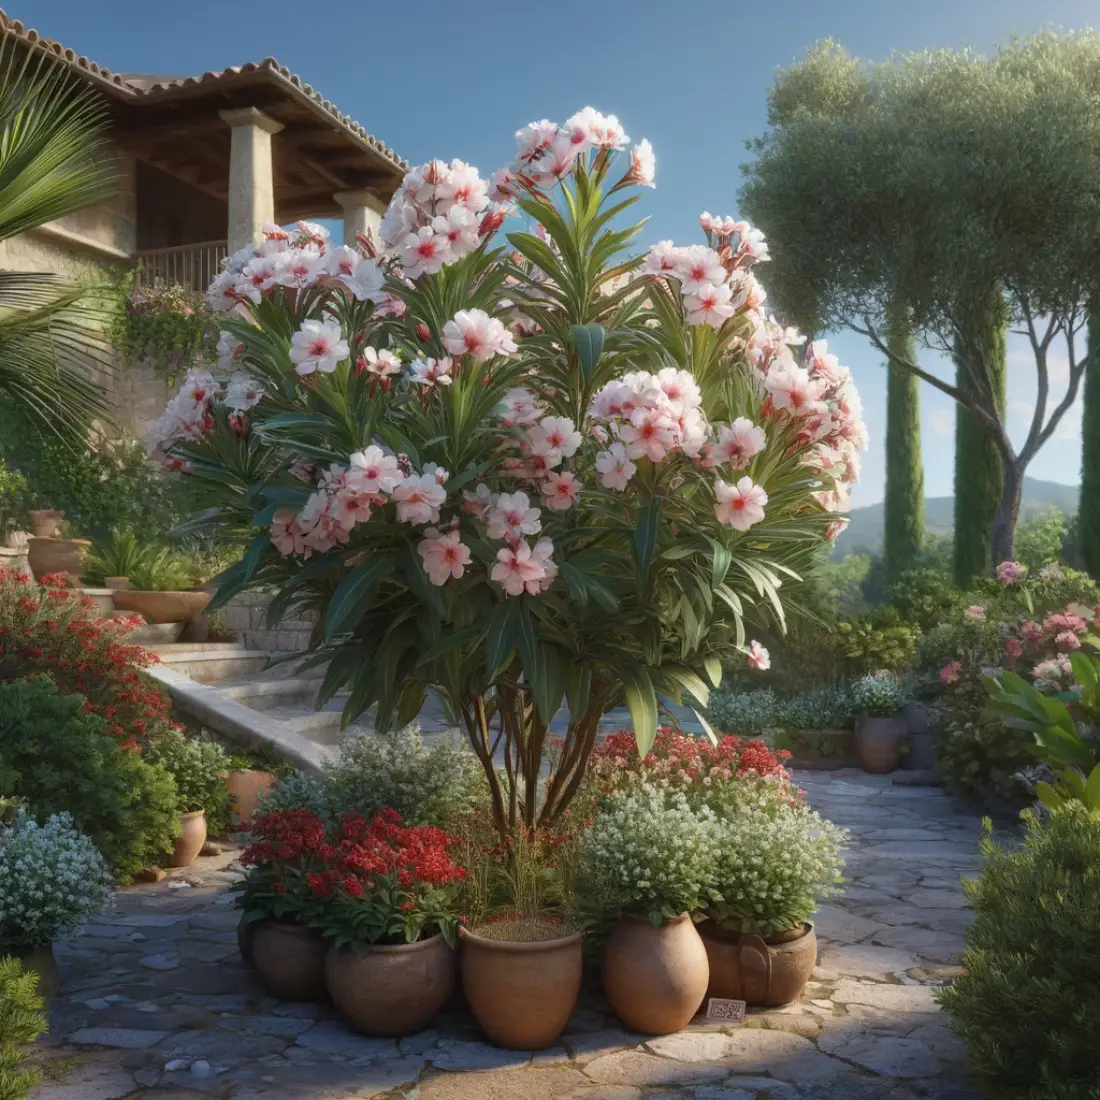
(51,878)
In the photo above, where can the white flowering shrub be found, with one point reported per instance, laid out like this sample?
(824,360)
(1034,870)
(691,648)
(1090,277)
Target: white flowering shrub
(649,852)
(51,878)
(511,461)
(776,860)
(879,695)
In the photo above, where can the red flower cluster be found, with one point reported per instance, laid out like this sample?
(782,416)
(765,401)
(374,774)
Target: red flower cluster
(676,752)
(52,629)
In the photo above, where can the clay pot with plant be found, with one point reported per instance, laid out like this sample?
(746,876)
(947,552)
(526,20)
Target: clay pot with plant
(521,950)
(879,699)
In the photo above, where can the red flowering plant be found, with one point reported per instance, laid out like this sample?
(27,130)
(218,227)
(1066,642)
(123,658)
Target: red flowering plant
(53,629)
(386,883)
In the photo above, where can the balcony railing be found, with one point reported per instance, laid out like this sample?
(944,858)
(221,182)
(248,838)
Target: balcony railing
(193,266)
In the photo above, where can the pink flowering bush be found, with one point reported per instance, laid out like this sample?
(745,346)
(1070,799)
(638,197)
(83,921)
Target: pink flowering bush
(513,462)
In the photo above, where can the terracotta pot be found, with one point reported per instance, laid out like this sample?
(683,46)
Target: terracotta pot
(391,990)
(41,961)
(116,584)
(521,994)
(246,936)
(290,960)
(655,977)
(45,521)
(246,788)
(759,972)
(163,607)
(66,556)
(190,841)
(878,745)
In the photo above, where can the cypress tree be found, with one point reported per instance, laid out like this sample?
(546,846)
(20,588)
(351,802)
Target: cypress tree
(904,537)
(1088,517)
(979,471)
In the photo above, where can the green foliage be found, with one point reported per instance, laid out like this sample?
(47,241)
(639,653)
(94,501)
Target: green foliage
(1040,539)
(151,568)
(904,505)
(922,597)
(22,1020)
(880,696)
(58,757)
(15,499)
(744,714)
(879,639)
(198,768)
(1028,1005)
(752,714)
(1088,522)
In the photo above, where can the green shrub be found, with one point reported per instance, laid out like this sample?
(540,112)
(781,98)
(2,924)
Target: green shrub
(198,768)
(15,499)
(828,707)
(59,757)
(877,640)
(1028,1006)
(150,567)
(879,696)
(753,713)
(21,1021)
(744,714)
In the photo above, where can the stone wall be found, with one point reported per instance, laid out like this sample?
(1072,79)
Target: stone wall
(246,618)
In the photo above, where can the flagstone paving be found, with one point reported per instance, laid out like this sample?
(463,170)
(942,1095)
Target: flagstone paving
(157,1005)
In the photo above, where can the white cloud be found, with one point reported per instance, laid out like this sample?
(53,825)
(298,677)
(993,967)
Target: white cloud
(942,422)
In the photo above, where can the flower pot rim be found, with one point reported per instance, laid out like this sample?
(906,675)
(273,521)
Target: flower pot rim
(643,918)
(712,928)
(390,948)
(519,946)
(191,814)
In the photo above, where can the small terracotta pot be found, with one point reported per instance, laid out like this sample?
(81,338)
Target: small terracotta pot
(759,972)
(41,961)
(45,521)
(246,788)
(290,960)
(391,989)
(878,744)
(163,607)
(655,976)
(116,584)
(521,994)
(65,556)
(246,935)
(190,841)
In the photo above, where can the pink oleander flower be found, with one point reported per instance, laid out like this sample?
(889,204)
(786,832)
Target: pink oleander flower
(317,346)
(512,517)
(643,164)
(373,471)
(1011,572)
(949,674)
(739,506)
(474,332)
(242,393)
(649,433)
(419,499)
(559,492)
(286,536)
(432,372)
(711,304)
(615,468)
(554,435)
(521,409)
(382,363)
(1014,649)
(759,657)
(736,444)
(1032,631)
(351,506)
(699,267)
(975,613)
(444,555)
(424,252)
(1067,639)
(478,502)
(519,570)
(793,391)
(592,130)
(836,529)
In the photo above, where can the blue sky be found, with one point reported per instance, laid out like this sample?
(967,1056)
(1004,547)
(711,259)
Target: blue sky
(453,80)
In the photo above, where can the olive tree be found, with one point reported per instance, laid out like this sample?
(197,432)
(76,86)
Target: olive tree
(965,187)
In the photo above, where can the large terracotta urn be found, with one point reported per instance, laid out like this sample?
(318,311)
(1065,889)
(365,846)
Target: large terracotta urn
(521,993)
(163,607)
(63,556)
(655,976)
(391,989)
(246,788)
(290,960)
(191,839)
(45,522)
(761,972)
(878,743)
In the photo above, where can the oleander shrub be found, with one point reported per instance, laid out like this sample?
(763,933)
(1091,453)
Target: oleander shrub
(55,755)
(21,1022)
(1028,1006)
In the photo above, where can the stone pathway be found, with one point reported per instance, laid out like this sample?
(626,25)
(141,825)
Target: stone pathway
(156,1003)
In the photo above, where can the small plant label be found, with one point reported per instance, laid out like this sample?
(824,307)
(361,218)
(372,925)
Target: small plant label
(729,1012)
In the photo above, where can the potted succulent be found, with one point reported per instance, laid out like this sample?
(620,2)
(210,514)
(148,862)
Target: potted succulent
(649,857)
(389,910)
(776,860)
(879,700)
(51,878)
(198,768)
(280,902)
(522,944)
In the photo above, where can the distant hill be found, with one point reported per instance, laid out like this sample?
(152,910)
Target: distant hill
(866,528)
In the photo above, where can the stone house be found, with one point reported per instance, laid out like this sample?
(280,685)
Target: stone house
(203,162)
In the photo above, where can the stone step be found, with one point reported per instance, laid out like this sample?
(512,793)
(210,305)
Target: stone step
(168,650)
(211,666)
(291,691)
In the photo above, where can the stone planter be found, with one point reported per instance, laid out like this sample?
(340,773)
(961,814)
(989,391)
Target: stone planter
(246,788)
(64,556)
(918,723)
(760,972)
(45,522)
(878,743)
(163,607)
(190,841)
(521,994)
(391,989)
(41,961)
(12,557)
(290,960)
(655,977)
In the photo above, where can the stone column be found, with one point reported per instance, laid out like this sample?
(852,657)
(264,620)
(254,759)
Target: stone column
(363,211)
(251,183)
